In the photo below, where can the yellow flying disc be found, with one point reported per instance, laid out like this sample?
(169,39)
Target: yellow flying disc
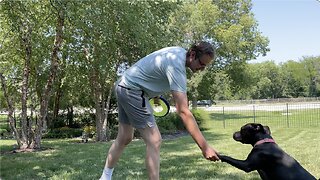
(161,108)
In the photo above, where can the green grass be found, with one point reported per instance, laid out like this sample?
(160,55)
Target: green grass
(180,158)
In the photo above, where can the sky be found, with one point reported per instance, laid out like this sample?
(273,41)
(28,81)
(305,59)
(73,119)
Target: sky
(292,27)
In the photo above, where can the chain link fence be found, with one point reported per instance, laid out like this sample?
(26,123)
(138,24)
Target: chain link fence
(278,113)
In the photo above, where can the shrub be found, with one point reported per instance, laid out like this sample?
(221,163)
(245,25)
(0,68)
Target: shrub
(2,131)
(64,132)
(170,123)
(113,132)
(197,113)
(90,131)
(5,127)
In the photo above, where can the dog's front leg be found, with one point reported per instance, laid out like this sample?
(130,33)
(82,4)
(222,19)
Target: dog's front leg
(244,165)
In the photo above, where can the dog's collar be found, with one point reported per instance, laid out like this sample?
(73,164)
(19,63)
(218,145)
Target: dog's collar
(264,141)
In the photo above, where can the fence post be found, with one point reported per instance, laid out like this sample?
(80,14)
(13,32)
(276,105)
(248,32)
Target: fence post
(224,119)
(287,115)
(254,115)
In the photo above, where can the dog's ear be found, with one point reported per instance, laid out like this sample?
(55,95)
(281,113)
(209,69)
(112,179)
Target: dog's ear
(257,127)
(267,130)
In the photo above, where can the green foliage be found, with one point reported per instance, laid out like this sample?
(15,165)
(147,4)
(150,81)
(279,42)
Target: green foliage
(198,115)
(4,127)
(63,132)
(2,131)
(289,79)
(90,131)
(3,102)
(264,80)
(85,119)
(232,29)
(215,86)
(114,32)
(169,123)
(172,122)
(113,132)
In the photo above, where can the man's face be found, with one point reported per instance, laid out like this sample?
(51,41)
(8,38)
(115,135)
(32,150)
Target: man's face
(199,64)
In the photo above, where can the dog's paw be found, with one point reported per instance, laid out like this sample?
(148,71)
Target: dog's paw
(222,157)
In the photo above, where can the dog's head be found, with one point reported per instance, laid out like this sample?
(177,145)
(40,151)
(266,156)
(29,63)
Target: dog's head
(251,133)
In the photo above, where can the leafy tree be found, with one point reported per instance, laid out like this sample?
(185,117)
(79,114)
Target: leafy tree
(269,80)
(312,67)
(108,34)
(302,78)
(219,90)
(23,29)
(231,28)
(294,78)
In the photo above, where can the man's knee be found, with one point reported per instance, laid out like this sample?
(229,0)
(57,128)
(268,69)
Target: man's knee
(125,134)
(126,140)
(158,143)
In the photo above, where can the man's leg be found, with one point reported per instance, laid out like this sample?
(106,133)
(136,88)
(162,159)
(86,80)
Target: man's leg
(124,137)
(152,138)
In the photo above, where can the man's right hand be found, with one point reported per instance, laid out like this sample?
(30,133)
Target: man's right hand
(210,154)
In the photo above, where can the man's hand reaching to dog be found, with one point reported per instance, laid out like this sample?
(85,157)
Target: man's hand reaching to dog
(210,153)
(192,127)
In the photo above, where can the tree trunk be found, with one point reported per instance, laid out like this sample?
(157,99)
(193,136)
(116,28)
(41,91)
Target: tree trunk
(100,114)
(26,44)
(12,122)
(70,116)
(31,120)
(56,104)
(97,90)
(23,138)
(99,106)
(105,127)
(41,123)
(194,100)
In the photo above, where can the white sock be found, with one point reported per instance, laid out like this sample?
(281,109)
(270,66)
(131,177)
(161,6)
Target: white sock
(107,174)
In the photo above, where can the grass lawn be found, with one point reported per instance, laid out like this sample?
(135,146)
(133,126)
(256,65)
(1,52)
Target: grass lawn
(180,158)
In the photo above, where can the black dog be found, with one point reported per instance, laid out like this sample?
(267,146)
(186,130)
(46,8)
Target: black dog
(266,157)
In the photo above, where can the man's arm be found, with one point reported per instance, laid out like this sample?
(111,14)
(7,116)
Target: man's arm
(188,120)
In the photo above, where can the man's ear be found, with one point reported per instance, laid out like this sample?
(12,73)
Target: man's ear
(193,54)
(267,129)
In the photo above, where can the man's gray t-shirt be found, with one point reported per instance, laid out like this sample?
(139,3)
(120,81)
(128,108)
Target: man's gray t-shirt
(158,72)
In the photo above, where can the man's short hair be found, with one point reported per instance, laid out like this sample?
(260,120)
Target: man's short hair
(200,48)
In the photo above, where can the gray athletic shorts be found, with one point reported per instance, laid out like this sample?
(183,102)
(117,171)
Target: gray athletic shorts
(134,107)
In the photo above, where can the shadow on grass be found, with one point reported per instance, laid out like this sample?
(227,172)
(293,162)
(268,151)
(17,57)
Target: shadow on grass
(5,149)
(180,159)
